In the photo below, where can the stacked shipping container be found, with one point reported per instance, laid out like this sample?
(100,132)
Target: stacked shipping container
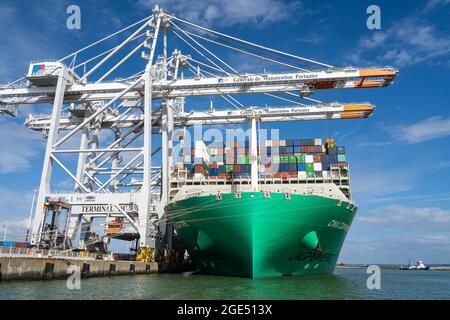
(11,244)
(302,158)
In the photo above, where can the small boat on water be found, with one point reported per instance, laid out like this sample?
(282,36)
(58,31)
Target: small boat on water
(419,265)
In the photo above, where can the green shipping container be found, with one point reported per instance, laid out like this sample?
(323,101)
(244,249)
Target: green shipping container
(310,167)
(310,174)
(284,159)
(301,158)
(229,168)
(243,160)
(292,159)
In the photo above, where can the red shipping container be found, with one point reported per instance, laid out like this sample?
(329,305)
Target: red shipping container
(342,164)
(222,175)
(237,168)
(199,169)
(284,175)
(214,166)
(318,158)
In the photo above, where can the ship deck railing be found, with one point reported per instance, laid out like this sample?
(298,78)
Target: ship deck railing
(39,253)
(185,178)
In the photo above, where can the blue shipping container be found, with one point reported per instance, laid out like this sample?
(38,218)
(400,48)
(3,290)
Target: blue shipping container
(8,244)
(333,158)
(332,151)
(341,150)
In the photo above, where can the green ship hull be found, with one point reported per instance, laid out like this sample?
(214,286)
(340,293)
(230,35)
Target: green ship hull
(256,235)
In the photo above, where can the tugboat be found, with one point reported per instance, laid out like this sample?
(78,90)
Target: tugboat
(418,266)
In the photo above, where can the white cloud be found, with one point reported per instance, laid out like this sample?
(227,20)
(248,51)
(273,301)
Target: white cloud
(14,210)
(19,145)
(429,129)
(433,4)
(410,41)
(406,217)
(231,12)
(395,234)
(15,229)
(20,45)
(311,39)
(371,144)
(423,197)
(433,249)
(367,183)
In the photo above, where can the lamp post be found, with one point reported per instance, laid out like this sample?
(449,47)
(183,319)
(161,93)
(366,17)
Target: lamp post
(31,214)
(5,225)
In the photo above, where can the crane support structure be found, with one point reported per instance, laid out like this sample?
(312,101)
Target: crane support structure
(113,115)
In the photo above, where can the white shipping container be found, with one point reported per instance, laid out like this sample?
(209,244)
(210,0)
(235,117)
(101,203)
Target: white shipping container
(282,143)
(269,143)
(317,167)
(200,145)
(302,175)
(326,174)
(309,158)
(318,142)
(213,152)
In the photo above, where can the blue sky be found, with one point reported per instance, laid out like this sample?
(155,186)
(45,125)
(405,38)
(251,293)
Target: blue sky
(400,158)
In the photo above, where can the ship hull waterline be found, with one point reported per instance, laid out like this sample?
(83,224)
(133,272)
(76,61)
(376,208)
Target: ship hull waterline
(256,235)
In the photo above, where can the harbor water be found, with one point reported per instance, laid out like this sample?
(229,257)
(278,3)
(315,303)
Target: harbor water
(343,284)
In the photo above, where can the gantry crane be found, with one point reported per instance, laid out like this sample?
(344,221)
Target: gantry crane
(119,180)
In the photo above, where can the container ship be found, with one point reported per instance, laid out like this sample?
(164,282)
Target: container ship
(291,221)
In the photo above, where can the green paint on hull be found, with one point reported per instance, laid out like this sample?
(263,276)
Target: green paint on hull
(255,236)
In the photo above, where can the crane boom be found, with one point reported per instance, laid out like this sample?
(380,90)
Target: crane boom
(266,114)
(304,82)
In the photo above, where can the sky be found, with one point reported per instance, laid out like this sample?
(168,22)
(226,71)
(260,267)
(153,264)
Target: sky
(399,158)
